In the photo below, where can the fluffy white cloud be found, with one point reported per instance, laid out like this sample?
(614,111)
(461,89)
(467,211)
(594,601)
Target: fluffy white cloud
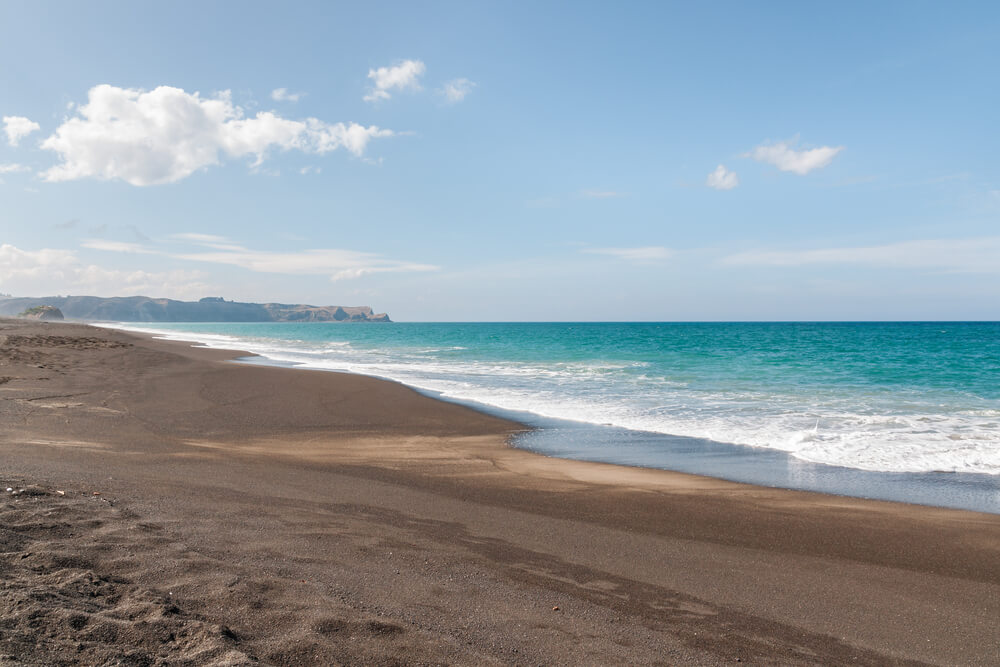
(167,134)
(455,90)
(641,254)
(282,95)
(15,262)
(18,127)
(405,75)
(53,271)
(977,255)
(722,179)
(786,158)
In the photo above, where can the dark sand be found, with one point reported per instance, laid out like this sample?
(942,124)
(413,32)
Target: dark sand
(251,514)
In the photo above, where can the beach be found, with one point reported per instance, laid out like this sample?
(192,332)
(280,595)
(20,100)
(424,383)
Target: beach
(182,509)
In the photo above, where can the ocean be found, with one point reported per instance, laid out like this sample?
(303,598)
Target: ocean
(898,411)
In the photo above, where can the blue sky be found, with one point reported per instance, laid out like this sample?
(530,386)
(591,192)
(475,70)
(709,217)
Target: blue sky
(504,161)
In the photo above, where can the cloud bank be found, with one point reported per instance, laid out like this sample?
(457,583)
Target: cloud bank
(783,156)
(166,134)
(52,271)
(404,76)
(722,179)
(18,127)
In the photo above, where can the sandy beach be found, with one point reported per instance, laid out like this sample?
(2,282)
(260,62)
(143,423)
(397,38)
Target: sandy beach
(178,508)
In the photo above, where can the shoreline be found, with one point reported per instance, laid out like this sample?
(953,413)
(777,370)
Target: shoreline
(276,495)
(745,464)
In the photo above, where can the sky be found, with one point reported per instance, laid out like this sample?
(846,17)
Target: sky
(506,161)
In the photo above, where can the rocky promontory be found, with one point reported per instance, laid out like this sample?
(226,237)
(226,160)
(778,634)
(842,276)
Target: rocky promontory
(42,313)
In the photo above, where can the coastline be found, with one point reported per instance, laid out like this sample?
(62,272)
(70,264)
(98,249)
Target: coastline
(364,496)
(588,439)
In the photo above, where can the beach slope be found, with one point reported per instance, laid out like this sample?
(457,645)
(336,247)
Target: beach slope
(178,508)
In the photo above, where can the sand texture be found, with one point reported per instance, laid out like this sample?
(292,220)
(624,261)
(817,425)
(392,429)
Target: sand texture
(179,508)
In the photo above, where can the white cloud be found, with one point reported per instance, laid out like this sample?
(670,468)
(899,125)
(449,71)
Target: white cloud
(282,95)
(786,158)
(197,237)
(335,263)
(722,179)
(12,169)
(976,255)
(641,254)
(177,284)
(454,91)
(207,241)
(166,134)
(404,76)
(17,262)
(118,246)
(53,271)
(18,127)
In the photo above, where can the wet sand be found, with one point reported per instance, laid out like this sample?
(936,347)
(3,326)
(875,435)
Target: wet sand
(246,514)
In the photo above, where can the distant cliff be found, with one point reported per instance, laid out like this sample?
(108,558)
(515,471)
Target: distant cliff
(209,309)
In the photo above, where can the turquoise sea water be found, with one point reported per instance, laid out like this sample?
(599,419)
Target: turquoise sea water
(906,402)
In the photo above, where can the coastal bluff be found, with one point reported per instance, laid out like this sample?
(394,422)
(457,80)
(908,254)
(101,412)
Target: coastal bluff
(209,309)
(47,313)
